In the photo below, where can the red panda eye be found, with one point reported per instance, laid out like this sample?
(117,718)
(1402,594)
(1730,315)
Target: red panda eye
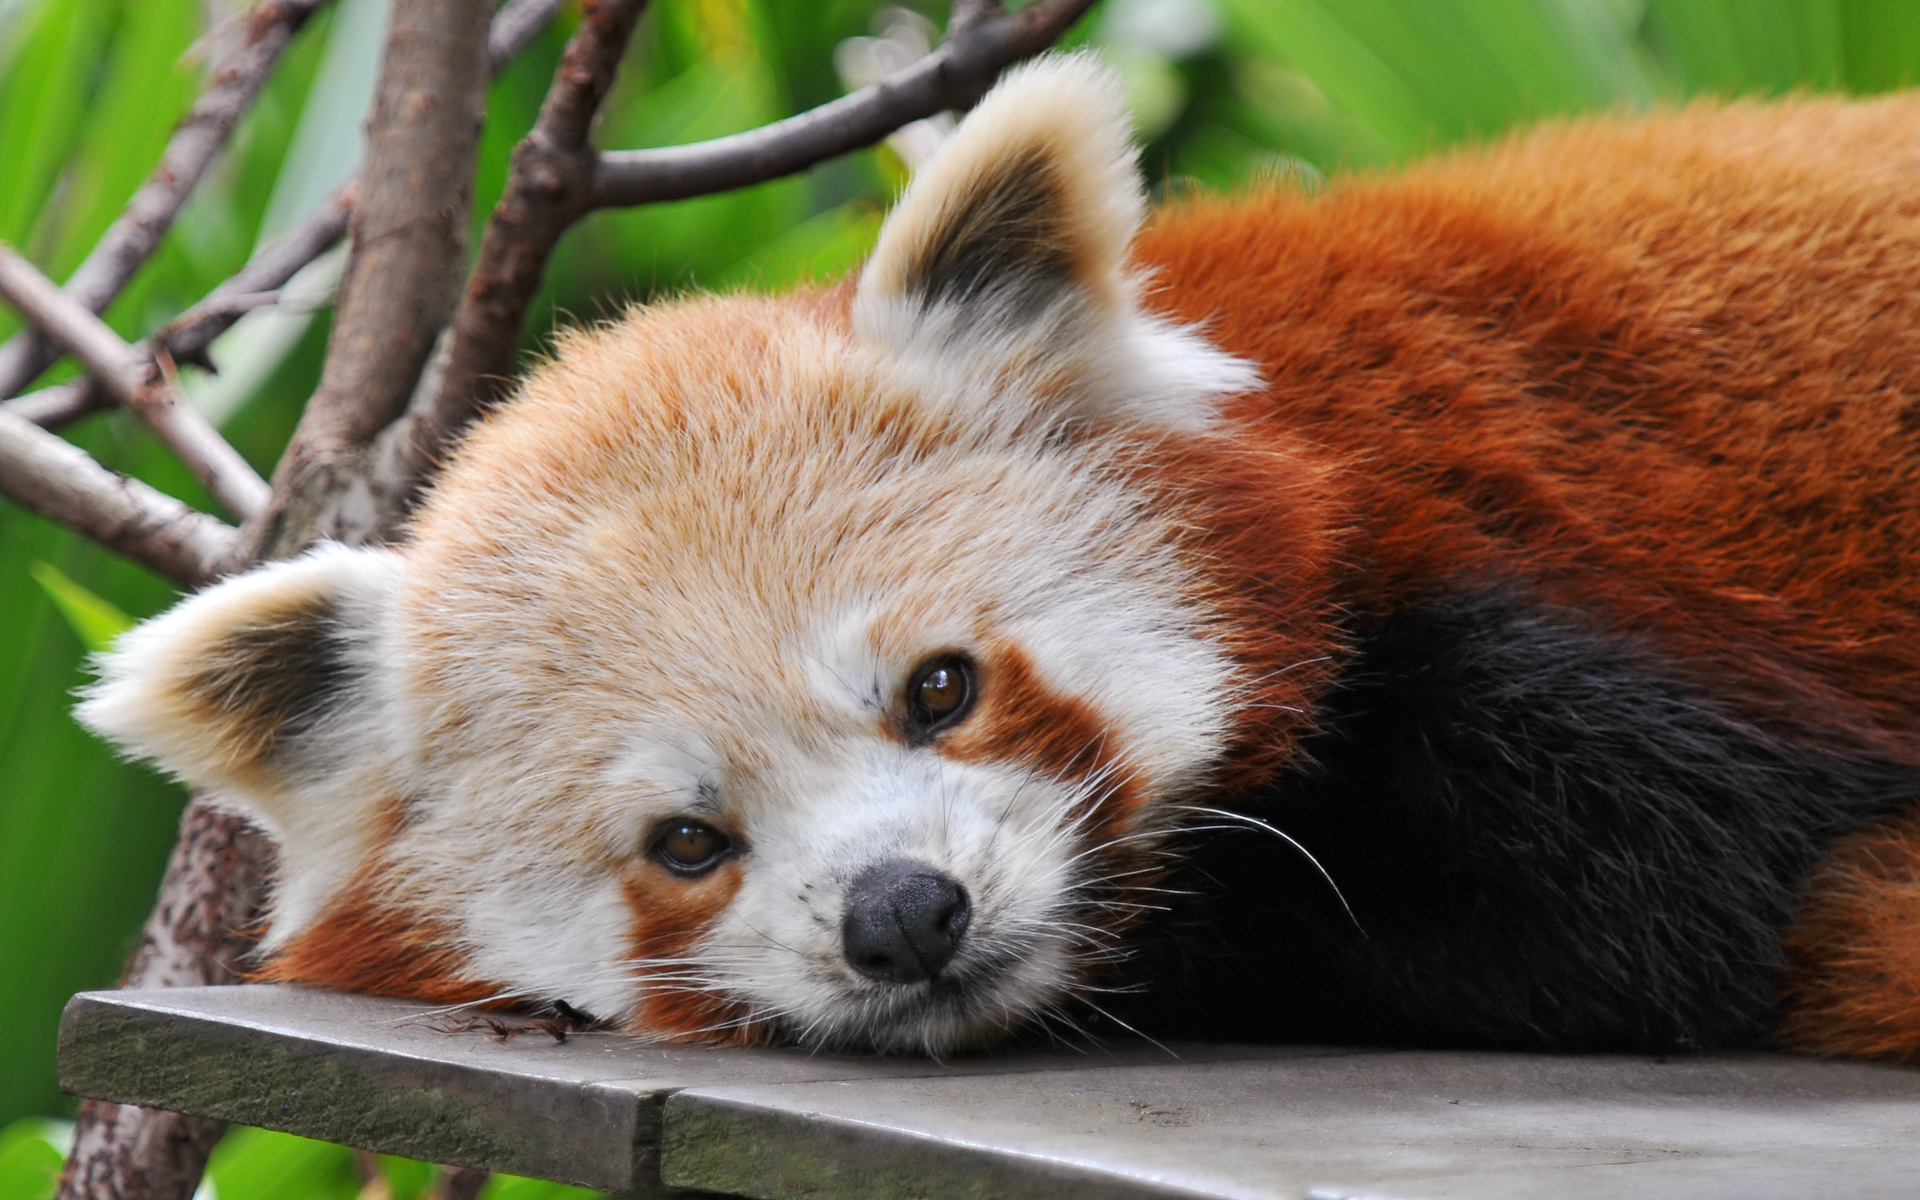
(690,847)
(939,693)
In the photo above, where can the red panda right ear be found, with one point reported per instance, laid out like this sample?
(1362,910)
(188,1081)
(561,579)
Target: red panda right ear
(1005,265)
(263,684)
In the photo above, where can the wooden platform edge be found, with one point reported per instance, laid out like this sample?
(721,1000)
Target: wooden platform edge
(420,1108)
(729,1143)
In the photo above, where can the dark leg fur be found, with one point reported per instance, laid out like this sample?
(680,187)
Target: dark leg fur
(1547,844)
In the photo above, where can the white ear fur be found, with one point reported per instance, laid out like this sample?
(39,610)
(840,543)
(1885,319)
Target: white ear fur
(1005,262)
(263,685)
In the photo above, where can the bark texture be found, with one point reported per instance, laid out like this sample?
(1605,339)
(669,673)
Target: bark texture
(198,934)
(409,249)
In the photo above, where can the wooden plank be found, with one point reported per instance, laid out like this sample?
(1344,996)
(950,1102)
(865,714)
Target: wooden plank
(402,1078)
(1217,1122)
(1379,1126)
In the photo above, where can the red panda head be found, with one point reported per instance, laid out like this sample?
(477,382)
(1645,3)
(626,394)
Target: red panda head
(769,668)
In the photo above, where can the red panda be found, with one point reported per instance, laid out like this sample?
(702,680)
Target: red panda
(1476,605)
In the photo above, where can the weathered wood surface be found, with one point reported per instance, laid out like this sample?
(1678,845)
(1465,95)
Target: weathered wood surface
(1132,1121)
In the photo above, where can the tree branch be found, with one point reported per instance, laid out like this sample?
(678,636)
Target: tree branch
(409,246)
(136,233)
(549,186)
(55,478)
(557,178)
(186,338)
(516,24)
(955,75)
(118,366)
(190,334)
(195,937)
(457,1183)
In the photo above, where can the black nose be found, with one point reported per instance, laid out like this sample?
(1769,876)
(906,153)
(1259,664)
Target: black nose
(904,921)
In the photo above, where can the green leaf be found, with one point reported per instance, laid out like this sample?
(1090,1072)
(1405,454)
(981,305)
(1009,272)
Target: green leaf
(1882,40)
(406,1179)
(1768,46)
(823,247)
(1420,76)
(513,1187)
(44,79)
(30,1158)
(147,85)
(83,836)
(258,1164)
(96,622)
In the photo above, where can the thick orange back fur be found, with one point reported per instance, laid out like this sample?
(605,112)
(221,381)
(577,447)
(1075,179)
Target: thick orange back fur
(1662,369)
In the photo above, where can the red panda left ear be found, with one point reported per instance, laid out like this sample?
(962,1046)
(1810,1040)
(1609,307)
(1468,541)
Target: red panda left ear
(277,689)
(1004,266)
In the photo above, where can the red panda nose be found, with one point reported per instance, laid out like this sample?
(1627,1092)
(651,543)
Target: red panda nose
(904,921)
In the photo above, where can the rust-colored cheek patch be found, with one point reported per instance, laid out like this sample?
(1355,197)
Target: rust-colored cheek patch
(1020,720)
(364,944)
(670,917)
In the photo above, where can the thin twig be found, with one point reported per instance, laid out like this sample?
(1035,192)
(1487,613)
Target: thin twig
(549,185)
(185,338)
(55,478)
(403,279)
(189,334)
(123,371)
(517,23)
(192,332)
(60,404)
(137,232)
(546,191)
(955,75)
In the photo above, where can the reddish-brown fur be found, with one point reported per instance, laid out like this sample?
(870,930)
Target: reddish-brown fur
(1856,948)
(669,917)
(1021,720)
(365,944)
(1665,370)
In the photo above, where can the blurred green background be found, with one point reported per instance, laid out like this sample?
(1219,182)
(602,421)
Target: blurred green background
(1224,91)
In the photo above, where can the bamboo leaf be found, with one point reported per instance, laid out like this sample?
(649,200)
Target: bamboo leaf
(258,1164)
(146,87)
(1882,43)
(1766,46)
(30,1158)
(55,52)
(95,621)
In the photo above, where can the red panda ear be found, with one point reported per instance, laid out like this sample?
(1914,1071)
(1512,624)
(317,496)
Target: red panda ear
(262,686)
(1005,262)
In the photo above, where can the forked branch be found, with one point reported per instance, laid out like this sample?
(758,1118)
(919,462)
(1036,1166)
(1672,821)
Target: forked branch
(549,186)
(403,279)
(155,399)
(137,232)
(558,178)
(187,337)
